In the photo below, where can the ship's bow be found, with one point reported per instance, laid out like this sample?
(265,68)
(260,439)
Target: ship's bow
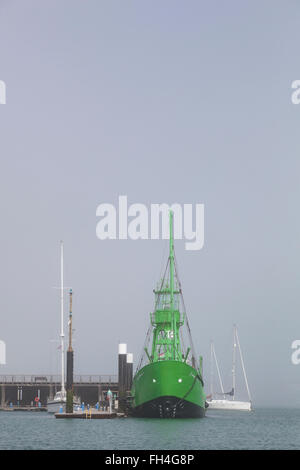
(168,389)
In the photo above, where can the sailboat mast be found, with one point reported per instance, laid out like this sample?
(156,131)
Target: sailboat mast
(243,365)
(62,316)
(234,361)
(218,370)
(211,369)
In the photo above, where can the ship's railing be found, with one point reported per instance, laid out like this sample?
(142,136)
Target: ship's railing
(50,379)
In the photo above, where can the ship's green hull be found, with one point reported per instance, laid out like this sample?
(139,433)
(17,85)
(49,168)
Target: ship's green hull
(168,389)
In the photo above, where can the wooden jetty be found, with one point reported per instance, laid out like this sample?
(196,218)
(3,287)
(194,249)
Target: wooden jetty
(23,408)
(89,414)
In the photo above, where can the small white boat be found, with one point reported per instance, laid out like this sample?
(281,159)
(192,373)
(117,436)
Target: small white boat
(59,403)
(225,403)
(229,405)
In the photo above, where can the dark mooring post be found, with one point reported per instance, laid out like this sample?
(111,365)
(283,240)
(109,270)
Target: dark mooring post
(70,364)
(129,371)
(122,362)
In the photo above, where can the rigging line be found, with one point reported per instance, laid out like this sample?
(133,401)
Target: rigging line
(182,342)
(218,370)
(186,316)
(184,348)
(242,361)
(163,256)
(142,353)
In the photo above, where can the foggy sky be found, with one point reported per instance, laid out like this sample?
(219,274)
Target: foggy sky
(172,101)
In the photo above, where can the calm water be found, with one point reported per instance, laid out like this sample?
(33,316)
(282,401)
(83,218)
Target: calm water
(260,429)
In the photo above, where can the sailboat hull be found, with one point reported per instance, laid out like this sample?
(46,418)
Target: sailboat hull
(168,389)
(55,406)
(229,405)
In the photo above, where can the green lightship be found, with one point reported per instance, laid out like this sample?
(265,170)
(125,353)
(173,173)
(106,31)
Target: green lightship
(168,382)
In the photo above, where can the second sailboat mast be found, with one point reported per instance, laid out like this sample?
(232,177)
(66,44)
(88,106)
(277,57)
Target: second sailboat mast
(62,335)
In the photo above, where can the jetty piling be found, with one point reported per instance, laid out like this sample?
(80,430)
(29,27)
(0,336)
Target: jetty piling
(122,366)
(129,371)
(70,363)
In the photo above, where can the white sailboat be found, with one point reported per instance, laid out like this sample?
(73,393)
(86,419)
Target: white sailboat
(60,398)
(225,403)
